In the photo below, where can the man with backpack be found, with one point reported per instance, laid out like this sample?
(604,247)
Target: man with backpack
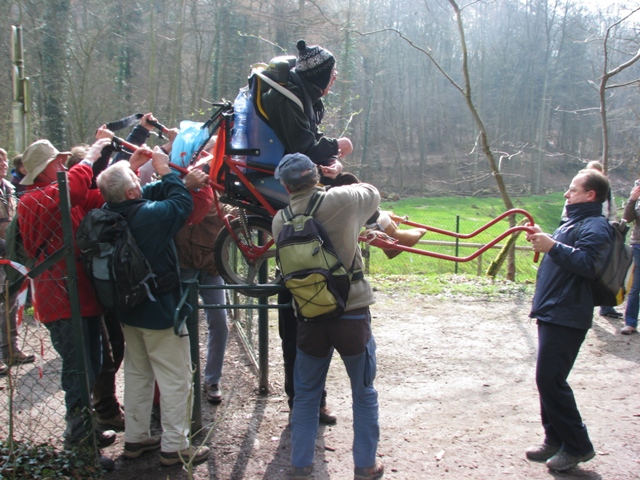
(153,351)
(563,306)
(342,212)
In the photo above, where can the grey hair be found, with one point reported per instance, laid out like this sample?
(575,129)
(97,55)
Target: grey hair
(115,181)
(303,182)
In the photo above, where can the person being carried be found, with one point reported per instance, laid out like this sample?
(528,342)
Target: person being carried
(342,213)
(311,79)
(563,306)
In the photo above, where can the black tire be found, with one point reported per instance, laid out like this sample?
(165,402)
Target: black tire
(235,268)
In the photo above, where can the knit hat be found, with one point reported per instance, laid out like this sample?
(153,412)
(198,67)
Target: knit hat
(294,169)
(315,64)
(36,158)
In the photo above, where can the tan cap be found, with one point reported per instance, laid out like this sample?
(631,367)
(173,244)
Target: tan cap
(36,158)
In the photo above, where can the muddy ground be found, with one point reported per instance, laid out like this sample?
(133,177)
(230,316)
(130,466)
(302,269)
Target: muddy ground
(457,400)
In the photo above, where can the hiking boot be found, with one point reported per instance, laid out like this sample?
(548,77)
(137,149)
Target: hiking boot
(19,357)
(300,473)
(4,369)
(369,473)
(117,421)
(541,453)
(188,455)
(628,330)
(214,394)
(562,461)
(326,417)
(134,450)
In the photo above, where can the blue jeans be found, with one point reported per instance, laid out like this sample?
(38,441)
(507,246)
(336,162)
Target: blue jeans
(218,327)
(62,339)
(309,377)
(633,298)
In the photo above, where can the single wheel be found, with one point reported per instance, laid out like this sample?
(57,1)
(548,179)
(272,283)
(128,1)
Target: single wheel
(239,263)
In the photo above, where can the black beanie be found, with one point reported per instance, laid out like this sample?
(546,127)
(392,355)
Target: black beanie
(315,64)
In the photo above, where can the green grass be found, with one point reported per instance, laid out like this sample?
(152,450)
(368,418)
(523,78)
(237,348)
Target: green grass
(473,212)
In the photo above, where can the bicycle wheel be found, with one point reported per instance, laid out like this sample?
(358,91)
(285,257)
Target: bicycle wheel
(239,269)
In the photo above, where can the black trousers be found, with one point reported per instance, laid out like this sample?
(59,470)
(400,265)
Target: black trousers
(558,348)
(288,330)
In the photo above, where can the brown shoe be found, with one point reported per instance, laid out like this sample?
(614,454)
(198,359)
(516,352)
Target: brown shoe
(326,417)
(117,421)
(628,330)
(214,394)
(188,455)
(369,473)
(134,450)
(406,238)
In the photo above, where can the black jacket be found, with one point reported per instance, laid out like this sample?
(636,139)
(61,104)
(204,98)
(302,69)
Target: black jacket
(563,292)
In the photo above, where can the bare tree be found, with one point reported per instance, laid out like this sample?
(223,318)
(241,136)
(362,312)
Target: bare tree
(603,87)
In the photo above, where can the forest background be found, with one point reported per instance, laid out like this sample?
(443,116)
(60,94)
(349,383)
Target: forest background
(534,65)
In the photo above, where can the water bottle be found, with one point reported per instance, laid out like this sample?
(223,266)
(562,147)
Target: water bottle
(239,137)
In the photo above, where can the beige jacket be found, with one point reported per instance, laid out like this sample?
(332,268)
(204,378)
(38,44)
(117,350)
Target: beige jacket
(342,213)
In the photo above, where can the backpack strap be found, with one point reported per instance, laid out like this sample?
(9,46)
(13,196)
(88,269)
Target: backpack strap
(283,90)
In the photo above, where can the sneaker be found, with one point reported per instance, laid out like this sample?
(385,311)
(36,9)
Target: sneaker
(214,394)
(3,369)
(134,450)
(541,453)
(326,417)
(117,421)
(300,473)
(188,455)
(562,461)
(369,473)
(19,357)
(628,330)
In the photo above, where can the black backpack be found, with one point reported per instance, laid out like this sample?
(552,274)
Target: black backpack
(310,267)
(610,288)
(119,271)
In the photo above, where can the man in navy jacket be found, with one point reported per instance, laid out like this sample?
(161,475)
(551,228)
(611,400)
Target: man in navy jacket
(563,307)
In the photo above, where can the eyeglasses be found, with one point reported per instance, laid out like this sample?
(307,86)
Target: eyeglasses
(576,190)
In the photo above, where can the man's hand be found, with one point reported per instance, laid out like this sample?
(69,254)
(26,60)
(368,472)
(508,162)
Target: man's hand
(171,133)
(540,241)
(333,170)
(103,132)
(144,121)
(160,161)
(196,179)
(635,194)
(95,150)
(141,156)
(345,147)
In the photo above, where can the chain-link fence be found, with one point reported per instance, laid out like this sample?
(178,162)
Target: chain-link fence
(35,408)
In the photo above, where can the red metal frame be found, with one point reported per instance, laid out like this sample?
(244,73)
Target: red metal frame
(253,252)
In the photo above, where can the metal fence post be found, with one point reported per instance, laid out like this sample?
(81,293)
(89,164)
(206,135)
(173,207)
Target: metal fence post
(82,354)
(194,346)
(457,242)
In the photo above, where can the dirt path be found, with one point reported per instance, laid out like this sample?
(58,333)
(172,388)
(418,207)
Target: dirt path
(457,400)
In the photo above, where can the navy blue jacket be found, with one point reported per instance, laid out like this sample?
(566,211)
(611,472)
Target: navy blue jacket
(166,206)
(563,291)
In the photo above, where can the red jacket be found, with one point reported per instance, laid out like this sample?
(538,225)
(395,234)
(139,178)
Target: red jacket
(41,230)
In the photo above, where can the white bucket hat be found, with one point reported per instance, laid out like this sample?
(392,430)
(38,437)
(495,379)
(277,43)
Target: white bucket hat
(36,158)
